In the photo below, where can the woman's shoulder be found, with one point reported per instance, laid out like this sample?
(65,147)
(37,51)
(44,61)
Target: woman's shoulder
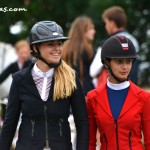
(19,75)
(100,90)
(144,94)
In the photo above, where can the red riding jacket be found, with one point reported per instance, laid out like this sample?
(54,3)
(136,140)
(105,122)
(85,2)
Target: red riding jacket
(125,132)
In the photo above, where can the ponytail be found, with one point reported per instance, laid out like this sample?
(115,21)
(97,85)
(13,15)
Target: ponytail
(65,81)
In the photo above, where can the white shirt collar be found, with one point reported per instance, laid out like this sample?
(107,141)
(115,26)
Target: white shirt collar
(119,86)
(20,65)
(38,72)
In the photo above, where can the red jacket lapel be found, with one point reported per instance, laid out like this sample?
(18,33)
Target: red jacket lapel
(102,99)
(131,99)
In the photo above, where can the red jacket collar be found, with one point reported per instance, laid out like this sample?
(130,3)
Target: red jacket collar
(100,95)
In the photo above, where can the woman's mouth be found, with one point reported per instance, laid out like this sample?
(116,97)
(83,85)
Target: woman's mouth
(123,73)
(55,54)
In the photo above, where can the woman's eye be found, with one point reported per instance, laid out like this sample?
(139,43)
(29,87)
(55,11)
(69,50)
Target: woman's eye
(118,61)
(50,44)
(60,44)
(128,61)
(55,44)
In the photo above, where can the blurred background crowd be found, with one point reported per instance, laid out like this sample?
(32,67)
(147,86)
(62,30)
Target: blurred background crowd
(15,25)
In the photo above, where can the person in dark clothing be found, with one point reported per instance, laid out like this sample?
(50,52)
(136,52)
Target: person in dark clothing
(78,51)
(23,53)
(11,69)
(44,93)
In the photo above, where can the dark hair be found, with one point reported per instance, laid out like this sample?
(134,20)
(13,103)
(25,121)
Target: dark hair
(116,14)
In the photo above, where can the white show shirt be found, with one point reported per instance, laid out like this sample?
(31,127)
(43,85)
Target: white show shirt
(43,81)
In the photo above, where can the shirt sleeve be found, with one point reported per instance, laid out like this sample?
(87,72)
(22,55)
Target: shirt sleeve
(6,73)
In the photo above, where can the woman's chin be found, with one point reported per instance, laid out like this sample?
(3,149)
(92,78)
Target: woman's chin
(123,79)
(54,61)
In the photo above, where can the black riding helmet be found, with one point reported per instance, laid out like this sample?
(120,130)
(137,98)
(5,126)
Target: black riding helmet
(44,31)
(117,47)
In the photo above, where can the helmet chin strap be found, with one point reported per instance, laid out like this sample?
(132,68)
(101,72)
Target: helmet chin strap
(38,55)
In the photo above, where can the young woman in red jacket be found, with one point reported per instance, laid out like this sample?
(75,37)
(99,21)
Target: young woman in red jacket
(119,109)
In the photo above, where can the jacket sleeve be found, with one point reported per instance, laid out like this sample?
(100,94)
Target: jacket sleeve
(5,73)
(78,106)
(92,124)
(146,122)
(11,119)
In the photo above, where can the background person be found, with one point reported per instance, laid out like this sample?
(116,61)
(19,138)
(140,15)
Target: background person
(115,20)
(23,54)
(78,51)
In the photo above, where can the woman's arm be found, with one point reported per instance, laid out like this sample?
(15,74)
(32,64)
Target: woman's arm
(146,122)
(92,124)
(6,73)
(11,119)
(80,117)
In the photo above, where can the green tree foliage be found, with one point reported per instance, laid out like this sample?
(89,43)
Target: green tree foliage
(64,12)
(37,10)
(138,13)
